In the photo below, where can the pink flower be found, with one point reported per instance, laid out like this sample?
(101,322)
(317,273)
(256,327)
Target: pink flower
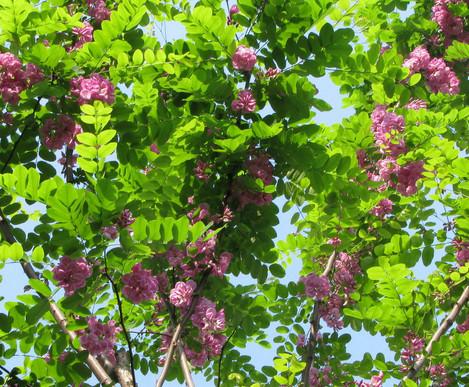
(219,269)
(387,127)
(260,167)
(72,274)
(206,317)
(67,161)
(98,10)
(125,219)
(95,87)
(330,312)
(244,58)
(59,131)
(462,251)
(439,375)
(13,79)
(362,159)
(110,232)
(317,287)
(449,24)
(99,338)
(463,327)
(441,78)
(245,103)
(84,35)
(346,268)
(410,353)
(200,170)
(335,241)
(140,285)
(387,167)
(175,256)
(407,177)
(382,208)
(300,342)
(272,73)
(234,10)
(417,60)
(154,149)
(213,343)
(181,295)
(416,104)
(197,359)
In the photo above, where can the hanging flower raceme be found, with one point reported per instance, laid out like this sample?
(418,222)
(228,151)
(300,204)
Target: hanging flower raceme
(245,103)
(93,88)
(441,78)
(411,352)
(416,104)
(260,167)
(383,208)
(376,381)
(125,219)
(417,60)
(99,338)
(72,274)
(387,127)
(439,376)
(449,24)
(181,295)
(14,79)
(244,59)
(206,317)
(200,170)
(346,268)
(317,287)
(84,35)
(462,251)
(407,177)
(464,326)
(97,9)
(59,131)
(140,285)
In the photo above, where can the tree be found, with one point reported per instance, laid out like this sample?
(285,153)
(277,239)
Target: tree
(140,178)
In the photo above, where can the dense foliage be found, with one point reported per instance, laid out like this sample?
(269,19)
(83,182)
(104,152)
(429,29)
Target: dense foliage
(141,179)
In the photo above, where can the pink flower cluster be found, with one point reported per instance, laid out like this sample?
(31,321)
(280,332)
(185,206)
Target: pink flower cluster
(320,377)
(233,11)
(439,376)
(411,352)
(72,274)
(244,58)
(346,268)
(451,26)
(59,131)
(464,326)
(200,170)
(440,77)
(95,87)
(97,9)
(376,381)
(416,104)
(260,167)
(462,251)
(99,338)
(317,287)
(181,295)
(14,79)
(383,208)
(84,35)
(210,322)
(140,285)
(387,127)
(335,241)
(245,103)
(125,219)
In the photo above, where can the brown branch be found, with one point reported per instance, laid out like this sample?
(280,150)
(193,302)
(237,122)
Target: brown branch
(177,333)
(442,329)
(58,315)
(314,327)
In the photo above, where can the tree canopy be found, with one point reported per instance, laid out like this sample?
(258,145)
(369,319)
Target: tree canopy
(141,179)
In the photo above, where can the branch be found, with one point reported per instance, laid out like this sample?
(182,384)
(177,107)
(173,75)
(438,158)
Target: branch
(314,326)
(59,317)
(442,329)
(178,331)
(221,355)
(12,377)
(122,323)
(25,128)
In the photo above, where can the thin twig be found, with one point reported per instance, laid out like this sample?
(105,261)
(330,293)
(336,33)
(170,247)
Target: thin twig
(121,318)
(57,314)
(442,329)
(221,355)
(314,326)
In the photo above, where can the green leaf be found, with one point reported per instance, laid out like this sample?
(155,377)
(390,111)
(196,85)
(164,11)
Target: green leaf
(87,139)
(277,270)
(414,79)
(40,287)
(457,51)
(427,255)
(262,130)
(106,136)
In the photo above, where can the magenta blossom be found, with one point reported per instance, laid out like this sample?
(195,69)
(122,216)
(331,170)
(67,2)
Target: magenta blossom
(244,58)
(84,35)
(441,78)
(140,285)
(181,295)
(59,131)
(416,104)
(206,317)
(245,103)
(99,338)
(417,60)
(317,287)
(95,87)
(72,274)
(382,208)
(98,10)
